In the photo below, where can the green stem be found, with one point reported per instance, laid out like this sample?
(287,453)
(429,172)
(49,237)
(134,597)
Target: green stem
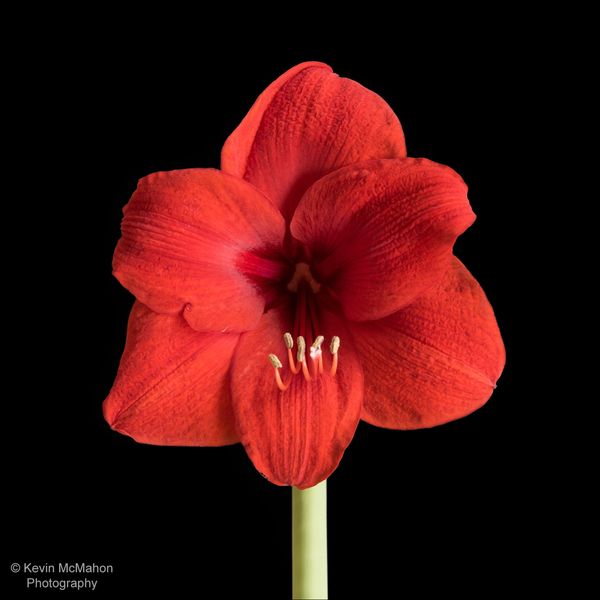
(309,543)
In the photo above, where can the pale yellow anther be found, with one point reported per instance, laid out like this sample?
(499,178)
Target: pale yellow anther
(335,344)
(275,362)
(288,340)
(316,345)
(317,356)
(301,348)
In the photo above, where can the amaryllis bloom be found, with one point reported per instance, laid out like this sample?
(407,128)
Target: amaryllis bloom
(307,284)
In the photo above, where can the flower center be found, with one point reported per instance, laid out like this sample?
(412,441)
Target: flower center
(306,327)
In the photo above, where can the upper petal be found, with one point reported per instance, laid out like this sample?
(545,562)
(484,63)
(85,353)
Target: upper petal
(381,232)
(185,234)
(304,125)
(172,387)
(296,437)
(435,361)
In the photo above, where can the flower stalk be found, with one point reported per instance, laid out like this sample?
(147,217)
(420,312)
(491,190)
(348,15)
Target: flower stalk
(309,543)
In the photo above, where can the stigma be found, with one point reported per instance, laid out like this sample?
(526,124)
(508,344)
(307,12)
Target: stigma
(303,274)
(300,363)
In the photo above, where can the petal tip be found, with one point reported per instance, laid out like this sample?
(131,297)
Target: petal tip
(322,120)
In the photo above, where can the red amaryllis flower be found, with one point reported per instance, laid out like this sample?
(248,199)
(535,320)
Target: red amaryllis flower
(308,284)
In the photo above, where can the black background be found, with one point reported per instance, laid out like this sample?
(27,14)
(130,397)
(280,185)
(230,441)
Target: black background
(448,510)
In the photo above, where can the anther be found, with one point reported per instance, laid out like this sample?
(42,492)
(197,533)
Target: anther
(288,340)
(301,348)
(276,363)
(317,355)
(316,345)
(334,347)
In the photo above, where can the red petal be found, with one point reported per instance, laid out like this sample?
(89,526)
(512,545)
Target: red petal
(382,232)
(435,361)
(296,437)
(172,387)
(183,234)
(304,125)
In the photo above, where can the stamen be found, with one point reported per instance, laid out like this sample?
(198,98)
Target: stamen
(276,363)
(301,348)
(334,347)
(316,355)
(288,340)
(302,357)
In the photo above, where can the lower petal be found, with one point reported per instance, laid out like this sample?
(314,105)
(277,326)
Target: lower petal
(296,437)
(434,361)
(172,387)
